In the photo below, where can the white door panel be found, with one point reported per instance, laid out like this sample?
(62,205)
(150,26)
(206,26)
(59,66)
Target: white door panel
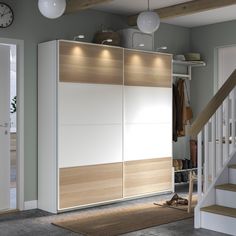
(148,105)
(90,103)
(4,127)
(147,141)
(83,145)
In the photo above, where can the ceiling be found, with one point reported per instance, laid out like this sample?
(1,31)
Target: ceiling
(130,7)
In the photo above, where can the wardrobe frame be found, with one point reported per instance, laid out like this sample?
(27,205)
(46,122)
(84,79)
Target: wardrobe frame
(48,181)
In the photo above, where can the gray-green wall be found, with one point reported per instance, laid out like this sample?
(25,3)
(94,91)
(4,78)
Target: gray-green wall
(205,40)
(31,27)
(176,38)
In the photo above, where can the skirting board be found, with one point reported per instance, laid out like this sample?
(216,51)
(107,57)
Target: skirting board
(29,205)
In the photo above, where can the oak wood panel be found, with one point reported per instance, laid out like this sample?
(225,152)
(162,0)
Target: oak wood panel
(88,63)
(187,8)
(77,5)
(90,184)
(213,105)
(147,69)
(147,176)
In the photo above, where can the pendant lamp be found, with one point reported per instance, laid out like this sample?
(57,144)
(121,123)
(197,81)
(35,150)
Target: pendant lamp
(148,21)
(52,8)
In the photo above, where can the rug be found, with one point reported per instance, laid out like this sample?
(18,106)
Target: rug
(123,219)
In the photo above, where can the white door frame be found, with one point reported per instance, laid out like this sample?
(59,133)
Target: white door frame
(216,63)
(20,119)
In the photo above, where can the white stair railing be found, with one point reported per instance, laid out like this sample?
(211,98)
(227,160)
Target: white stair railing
(216,142)
(216,145)
(215,129)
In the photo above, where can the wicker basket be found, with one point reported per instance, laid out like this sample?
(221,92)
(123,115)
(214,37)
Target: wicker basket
(192,56)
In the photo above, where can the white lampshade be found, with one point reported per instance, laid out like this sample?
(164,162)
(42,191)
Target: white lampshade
(52,8)
(148,22)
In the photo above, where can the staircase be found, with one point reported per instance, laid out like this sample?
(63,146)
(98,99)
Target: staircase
(215,129)
(221,216)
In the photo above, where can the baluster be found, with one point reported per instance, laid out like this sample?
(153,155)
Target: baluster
(213,138)
(206,157)
(226,154)
(220,134)
(199,164)
(233,119)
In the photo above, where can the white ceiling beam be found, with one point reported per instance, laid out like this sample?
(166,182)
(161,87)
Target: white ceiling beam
(77,5)
(187,8)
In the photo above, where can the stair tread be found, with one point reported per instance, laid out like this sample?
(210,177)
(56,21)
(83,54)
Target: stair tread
(227,187)
(220,210)
(233,166)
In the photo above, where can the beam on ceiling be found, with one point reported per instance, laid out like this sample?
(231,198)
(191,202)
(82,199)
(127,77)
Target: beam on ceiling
(187,8)
(77,5)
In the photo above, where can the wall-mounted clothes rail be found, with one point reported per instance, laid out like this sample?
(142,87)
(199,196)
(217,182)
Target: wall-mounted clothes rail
(189,65)
(182,76)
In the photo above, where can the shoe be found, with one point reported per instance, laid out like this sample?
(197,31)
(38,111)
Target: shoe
(173,199)
(185,164)
(182,201)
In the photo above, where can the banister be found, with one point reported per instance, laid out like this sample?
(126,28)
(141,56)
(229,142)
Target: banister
(213,105)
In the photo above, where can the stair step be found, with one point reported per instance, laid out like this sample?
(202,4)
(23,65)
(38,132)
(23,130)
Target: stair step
(227,187)
(233,166)
(220,210)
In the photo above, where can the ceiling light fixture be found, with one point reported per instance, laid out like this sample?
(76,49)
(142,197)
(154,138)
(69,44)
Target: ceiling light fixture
(148,21)
(52,8)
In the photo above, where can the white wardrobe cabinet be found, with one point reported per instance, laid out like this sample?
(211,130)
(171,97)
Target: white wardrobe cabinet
(104,124)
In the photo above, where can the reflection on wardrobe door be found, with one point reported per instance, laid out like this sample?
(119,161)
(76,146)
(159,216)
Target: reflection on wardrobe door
(90,63)
(90,124)
(148,123)
(147,176)
(90,184)
(147,69)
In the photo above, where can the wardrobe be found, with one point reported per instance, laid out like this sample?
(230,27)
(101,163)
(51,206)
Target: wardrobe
(104,124)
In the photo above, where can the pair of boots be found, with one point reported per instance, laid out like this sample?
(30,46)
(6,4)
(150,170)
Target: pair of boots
(177,200)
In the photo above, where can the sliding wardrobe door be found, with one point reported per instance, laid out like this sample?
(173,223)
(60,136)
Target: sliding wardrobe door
(90,124)
(148,123)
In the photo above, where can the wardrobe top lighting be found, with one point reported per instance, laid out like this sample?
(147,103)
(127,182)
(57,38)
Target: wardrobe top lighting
(162,48)
(141,45)
(77,37)
(107,41)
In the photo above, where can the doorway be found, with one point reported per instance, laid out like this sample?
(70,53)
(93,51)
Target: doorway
(8,127)
(11,124)
(226,64)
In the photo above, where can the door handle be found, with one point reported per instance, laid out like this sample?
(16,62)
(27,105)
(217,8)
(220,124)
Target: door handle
(5,125)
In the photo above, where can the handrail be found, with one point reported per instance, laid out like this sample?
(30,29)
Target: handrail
(213,105)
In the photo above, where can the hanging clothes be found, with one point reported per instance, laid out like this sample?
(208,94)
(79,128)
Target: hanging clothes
(181,108)
(174,112)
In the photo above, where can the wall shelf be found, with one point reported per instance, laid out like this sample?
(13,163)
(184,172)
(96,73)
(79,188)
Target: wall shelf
(184,170)
(190,65)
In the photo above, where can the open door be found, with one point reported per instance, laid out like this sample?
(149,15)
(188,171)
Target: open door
(4,127)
